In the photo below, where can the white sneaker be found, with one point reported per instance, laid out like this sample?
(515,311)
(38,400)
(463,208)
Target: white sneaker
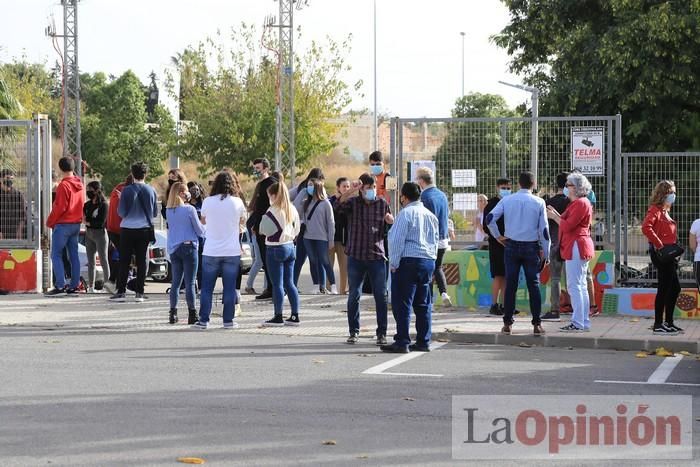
(446,301)
(231,325)
(91,290)
(315,290)
(237,310)
(109,287)
(334,289)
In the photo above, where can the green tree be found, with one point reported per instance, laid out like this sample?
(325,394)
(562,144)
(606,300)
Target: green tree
(115,128)
(600,57)
(231,103)
(33,87)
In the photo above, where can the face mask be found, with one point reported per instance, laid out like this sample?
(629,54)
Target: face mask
(376,169)
(90,194)
(7,183)
(171,182)
(566,191)
(370,194)
(310,190)
(187,194)
(256,173)
(671,198)
(194,192)
(504,192)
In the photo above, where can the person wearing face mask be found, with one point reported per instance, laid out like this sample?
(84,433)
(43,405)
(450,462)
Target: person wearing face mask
(661,231)
(376,169)
(497,262)
(12,207)
(174,176)
(96,240)
(299,195)
(341,234)
(559,202)
(319,234)
(367,215)
(259,204)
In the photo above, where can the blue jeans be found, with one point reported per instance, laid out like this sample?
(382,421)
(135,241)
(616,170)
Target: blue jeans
(65,236)
(527,256)
(212,267)
(183,266)
(411,289)
(300,260)
(319,261)
(376,270)
(280,261)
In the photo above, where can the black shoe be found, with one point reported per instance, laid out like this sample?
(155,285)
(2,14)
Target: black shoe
(381,340)
(419,348)
(118,297)
(266,295)
(140,298)
(496,310)
(292,321)
(173,316)
(353,338)
(192,316)
(551,316)
(665,330)
(393,348)
(275,322)
(72,291)
(516,312)
(55,292)
(674,328)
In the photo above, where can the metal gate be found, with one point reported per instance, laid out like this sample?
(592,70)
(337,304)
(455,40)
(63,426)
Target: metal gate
(642,171)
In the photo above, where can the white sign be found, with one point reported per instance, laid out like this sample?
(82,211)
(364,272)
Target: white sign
(415,165)
(464,178)
(587,150)
(464,202)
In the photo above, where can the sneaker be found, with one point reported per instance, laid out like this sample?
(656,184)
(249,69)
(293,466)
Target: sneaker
(140,298)
(109,287)
(594,311)
(249,291)
(495,310)
(237,310)
(275,322)
(551,316)
(90,290)
(266,295)
(381,340)
(72,291)
(570,328)
(353,338)
(315,290)
(231,325)
(292,321)
(446,301)
(674,328)
(118,297)
(55,292)
(506,329)
(537,330)
(200,326)
(334,289)
(393,348)
(665,330)
(419,348)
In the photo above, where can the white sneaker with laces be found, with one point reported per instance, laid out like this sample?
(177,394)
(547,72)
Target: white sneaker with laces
(334,289)
(446,301)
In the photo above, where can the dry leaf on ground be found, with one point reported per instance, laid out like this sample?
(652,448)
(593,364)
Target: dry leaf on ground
(191,460)
(642,355)
(330,442)
(524,344)
(685,353)
(662,352)
(408,399)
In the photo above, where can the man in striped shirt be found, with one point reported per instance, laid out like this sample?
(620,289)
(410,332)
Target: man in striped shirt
(366,214)
(414,247)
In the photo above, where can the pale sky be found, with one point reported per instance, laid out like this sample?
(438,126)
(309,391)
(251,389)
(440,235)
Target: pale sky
(419,47)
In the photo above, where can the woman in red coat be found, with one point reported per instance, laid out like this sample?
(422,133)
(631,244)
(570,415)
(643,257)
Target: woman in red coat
(661,230)
(576,247)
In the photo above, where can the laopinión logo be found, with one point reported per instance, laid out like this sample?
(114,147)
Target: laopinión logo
(572,427)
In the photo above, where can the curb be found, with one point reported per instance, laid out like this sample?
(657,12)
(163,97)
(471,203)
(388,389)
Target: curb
(568,341)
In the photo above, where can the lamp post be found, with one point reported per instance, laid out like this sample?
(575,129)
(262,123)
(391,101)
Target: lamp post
(535,93)
(462,34)
(376,128)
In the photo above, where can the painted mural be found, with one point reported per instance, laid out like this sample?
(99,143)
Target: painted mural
(640,302)
(18,271)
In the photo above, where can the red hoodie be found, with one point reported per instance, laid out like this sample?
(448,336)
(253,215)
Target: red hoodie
(68,205)
(113,219)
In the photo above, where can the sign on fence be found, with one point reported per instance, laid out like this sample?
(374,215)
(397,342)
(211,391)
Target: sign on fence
(587,150)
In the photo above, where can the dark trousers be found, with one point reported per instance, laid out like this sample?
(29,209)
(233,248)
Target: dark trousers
(263,253)
(114,239)
(668,289)
(410,290)
(133,242)
(439,274)
(524,255)
(376,271)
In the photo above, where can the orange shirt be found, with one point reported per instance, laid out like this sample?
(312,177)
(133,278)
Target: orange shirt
(381,186)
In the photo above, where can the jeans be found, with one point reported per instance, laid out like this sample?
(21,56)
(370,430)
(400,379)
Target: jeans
(301,256)
(555,269)
(527,256)
(668,289)
(280,261)
(212,267)
(96,242)
(376,271)
(133,242)
(257,264)
(439,274)
(576,269)
(319,260)
(183,262)
(65,236)
(411,289)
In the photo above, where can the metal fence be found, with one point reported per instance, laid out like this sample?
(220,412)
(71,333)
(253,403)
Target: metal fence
(469,154)
(642,171)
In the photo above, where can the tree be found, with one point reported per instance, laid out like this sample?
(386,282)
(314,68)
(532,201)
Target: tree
(115,128)
(230,97)
(32,87)
(600,57)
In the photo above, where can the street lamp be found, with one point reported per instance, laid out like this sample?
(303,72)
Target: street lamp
(535,121)
(462,34)
(376,128)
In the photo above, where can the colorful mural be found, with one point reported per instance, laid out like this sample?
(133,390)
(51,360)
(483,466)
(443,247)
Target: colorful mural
(18,271)
(640,302)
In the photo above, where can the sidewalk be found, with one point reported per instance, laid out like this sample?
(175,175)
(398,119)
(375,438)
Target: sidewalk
(325,316)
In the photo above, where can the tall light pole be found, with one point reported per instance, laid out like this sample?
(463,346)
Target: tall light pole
(462,34)
(376,120)
(535,122)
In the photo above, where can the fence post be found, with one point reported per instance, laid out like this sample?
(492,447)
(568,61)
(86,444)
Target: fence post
(504,146)
(618,199)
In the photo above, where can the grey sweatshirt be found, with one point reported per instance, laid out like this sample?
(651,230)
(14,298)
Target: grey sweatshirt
(321,226)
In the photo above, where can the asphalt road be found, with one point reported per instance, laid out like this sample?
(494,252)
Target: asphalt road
(144,397)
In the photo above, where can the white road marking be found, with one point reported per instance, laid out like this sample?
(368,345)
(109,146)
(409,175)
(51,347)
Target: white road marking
(645,382)
(659,376)
(379,369)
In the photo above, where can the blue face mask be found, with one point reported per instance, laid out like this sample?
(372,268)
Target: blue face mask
(310,190)
(504,192)
(370,194)
(566,191)
(376,169)
(671,198)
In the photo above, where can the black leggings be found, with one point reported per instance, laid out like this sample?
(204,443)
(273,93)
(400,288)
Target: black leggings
(262,247)
(668,289)
(439,274)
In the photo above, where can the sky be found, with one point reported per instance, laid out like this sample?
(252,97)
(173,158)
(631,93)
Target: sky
(419,46)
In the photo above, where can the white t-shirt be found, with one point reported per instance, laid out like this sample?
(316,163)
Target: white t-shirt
(695,230)
(223,220)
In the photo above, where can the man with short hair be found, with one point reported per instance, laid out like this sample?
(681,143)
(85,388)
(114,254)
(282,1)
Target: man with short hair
(261,202)
(527,241)
(12,208)
(138,205)
(436,202)
(65,218)
(367,215)
(414,248)
(497,262)
(560,201)
(376,169)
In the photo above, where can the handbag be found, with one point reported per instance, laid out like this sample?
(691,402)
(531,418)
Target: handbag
(151,229)
(302,227)
(669,253)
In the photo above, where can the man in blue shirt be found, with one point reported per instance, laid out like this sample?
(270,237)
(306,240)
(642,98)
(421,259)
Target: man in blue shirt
(526,242)
(414,241)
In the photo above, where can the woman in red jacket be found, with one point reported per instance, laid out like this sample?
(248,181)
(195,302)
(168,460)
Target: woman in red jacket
(661,230)
(576,247)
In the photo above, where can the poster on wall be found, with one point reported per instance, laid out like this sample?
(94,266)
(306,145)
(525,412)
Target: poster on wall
(464,178)
(464,202)
(415,165)
(587,150)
